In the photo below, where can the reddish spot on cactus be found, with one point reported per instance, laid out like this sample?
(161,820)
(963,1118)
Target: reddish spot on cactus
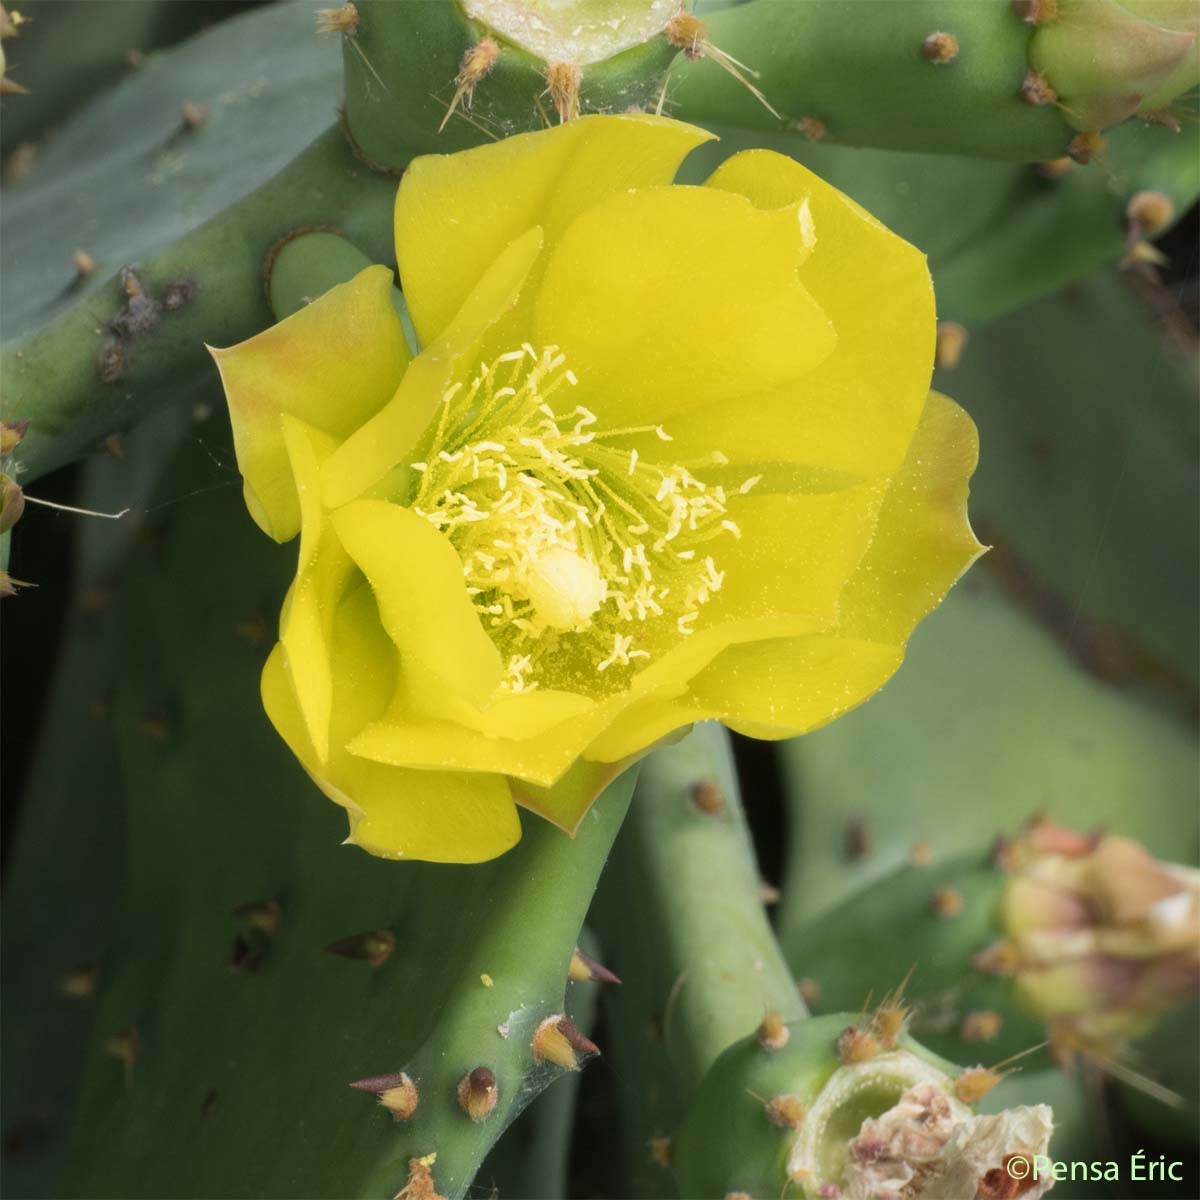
(708,797)
(813,128)
(858,839)
(947,902)
(940,48)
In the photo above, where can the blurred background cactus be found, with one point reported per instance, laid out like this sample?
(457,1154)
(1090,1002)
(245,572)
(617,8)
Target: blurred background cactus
(994,857)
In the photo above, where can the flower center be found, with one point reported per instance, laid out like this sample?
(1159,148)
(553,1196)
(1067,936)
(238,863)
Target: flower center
(580,556)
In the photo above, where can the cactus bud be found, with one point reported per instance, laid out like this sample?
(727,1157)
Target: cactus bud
(477,1094)
(396,1092)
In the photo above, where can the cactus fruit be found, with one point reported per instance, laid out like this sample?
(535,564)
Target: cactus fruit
(808,1121)
(422,78)
(1081,941)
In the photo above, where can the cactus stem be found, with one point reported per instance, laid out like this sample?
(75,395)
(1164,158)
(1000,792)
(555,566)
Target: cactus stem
(585,969)
(477,1093)
(375,946)
(80,982)
(476,65)
(396,1092)
(707,796)
(940,48)
(343,19)
(557,1040)
(773,1033)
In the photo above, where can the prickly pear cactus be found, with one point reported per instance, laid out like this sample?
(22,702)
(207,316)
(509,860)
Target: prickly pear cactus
(944,948)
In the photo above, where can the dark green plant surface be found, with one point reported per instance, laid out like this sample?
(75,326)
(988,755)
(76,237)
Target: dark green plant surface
(248,1040)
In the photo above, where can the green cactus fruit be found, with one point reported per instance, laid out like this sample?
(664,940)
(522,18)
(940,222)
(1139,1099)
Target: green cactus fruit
(841,1109)
(1105,60)
(424,78)
(1081,941)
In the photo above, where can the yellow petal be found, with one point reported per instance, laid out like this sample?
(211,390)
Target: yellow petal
(381,443)
(642,726)
(665,299)
(333,364)
(795,552)
(856,412)
(790,686)
(566,803)
(441,816)
(417,579)
(323,571)
(456,213)
(923,543)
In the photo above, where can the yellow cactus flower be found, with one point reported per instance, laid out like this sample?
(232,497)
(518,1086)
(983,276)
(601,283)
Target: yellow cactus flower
(666,454)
